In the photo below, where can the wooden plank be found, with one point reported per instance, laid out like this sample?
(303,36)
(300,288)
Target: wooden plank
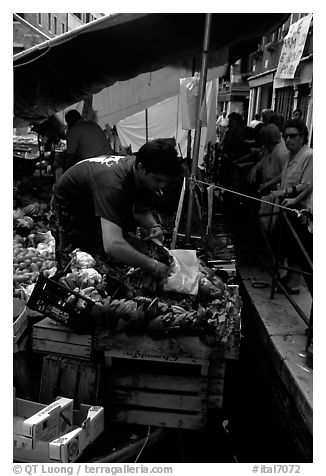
(49,379)
(61,348)
(215,401)
(215,386)
(159,382)
(88,383)
(22,375)
(143,355)
(68,384)
(217,369)
(158,400)
(50,330)
(170,349)
(162,419)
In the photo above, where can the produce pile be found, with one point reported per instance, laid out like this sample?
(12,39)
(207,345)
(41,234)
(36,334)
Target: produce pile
(126,300)
(33,246)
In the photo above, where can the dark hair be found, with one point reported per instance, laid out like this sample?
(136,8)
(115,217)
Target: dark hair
(299,111)
(300,125)
(257,116)
(270,134)
(266,114)
(72,116)
(159,156)
(236,117)
(277,119)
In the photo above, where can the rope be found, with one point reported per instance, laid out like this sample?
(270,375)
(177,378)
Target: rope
(32,60)
(145,443)
(248,196)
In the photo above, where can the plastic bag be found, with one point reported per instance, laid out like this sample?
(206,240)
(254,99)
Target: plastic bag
(185,277)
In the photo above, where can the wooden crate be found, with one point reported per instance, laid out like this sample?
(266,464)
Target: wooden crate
(172,349)
(70,377)
(168,384)
(50,337)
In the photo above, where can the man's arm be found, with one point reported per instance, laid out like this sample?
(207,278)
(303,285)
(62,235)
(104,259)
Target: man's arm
(270,183)
(118,248)
(303,190)
(146,219)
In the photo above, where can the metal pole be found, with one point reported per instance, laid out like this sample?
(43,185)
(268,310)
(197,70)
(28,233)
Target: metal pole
(146,124)
(202,89)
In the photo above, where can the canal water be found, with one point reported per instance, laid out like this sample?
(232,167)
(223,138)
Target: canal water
(258,422)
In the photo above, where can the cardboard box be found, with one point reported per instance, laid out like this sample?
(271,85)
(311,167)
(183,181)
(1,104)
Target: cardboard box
(70,446)
(88,424)
(46,424)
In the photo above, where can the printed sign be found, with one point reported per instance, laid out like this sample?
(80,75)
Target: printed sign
(293,46)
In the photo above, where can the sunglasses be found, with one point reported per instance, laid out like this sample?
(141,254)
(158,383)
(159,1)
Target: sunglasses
(291,136)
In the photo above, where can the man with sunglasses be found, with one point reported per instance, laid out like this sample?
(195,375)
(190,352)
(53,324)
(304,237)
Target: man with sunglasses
(296,181)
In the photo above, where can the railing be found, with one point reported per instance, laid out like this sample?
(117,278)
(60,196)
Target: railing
(274,268)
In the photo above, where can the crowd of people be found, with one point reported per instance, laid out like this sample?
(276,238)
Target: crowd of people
(270,160)
(98,198)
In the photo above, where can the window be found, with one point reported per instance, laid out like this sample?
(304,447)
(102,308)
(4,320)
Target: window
(89,17)
(49,21)
(55,25)
(284,101)
(63,29)
(303,98)
(78,15)
(39,18)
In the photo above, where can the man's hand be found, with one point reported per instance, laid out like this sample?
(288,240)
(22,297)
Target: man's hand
(251,177)
(289,202)
(160,271)
(155,233)
(278,193)
(262,189)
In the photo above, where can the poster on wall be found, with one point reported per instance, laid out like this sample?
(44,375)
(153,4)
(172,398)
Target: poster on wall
(292,49)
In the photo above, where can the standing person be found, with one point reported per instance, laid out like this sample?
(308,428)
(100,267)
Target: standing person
(234,147)
(297,114)
(85,139)
(296,181)
(222,125)
(255,121)
(99,199)
(274,155)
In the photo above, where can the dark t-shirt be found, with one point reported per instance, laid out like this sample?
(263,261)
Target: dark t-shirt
(102,187)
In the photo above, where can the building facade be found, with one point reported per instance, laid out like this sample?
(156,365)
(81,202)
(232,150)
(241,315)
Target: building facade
(281,95)
(250,84)
(233,95)
(30,29)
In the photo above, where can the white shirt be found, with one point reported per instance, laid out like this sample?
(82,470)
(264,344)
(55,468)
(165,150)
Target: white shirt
(254,123)
(222,121)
